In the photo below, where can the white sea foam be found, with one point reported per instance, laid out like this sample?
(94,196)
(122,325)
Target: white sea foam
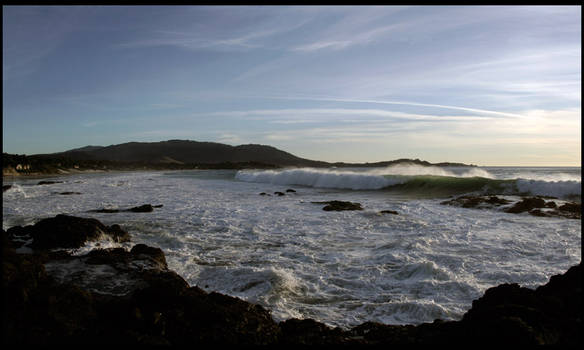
(287,254)
(560,189)
(319,178)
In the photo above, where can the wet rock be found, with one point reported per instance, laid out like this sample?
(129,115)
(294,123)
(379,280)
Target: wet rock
(526,204)
(291,190)
(146,208)
(474,201)
(571,207)
(65,231)
(49,182)
(68,193)
(279,193)
(340,205)
(6,187)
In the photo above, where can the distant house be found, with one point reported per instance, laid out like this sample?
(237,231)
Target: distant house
(20,167)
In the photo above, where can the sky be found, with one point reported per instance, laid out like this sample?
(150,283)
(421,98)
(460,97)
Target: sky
(487,85)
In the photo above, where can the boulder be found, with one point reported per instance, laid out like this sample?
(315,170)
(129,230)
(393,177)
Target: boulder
(65,231)
(526,204)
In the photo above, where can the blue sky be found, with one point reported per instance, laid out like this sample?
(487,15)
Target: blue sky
(480,84)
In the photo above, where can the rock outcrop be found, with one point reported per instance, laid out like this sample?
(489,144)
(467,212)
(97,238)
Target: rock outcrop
(536,206)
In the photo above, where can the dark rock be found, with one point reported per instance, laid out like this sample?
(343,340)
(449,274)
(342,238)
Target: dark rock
(571,207)
(108,211)
(264,194)
(146,208)
(68,193)
(291,190)
(389,212)
(49,182)
(340,205)
(65,231)
(474,201)
(537,212)
(551,204)
(526,205)
(279,193)
(309,332)
(6,187)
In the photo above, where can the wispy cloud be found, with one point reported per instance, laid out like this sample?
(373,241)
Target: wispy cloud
(467,109)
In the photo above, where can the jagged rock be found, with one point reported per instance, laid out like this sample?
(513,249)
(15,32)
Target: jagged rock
(340,205)
(65,231)
(526,204)
(474,201)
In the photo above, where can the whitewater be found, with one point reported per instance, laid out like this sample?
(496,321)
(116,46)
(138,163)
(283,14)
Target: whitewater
(342,268)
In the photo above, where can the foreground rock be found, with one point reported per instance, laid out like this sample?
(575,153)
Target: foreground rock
(536,206)
(115,296)
(65,231)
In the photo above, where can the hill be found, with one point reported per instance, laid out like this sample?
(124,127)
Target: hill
(173,154)
(188,152)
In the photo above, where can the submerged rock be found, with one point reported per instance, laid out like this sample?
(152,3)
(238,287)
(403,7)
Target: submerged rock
(340,205)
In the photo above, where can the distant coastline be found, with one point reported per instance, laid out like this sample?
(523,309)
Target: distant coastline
(173,155)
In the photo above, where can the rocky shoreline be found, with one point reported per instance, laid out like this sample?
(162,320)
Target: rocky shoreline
(119,296)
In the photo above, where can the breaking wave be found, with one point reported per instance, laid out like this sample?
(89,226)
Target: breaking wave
(428,181)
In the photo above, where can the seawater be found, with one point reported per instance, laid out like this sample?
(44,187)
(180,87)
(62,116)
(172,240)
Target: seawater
(342,268)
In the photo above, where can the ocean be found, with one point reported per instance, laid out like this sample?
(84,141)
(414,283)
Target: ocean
(429,261)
